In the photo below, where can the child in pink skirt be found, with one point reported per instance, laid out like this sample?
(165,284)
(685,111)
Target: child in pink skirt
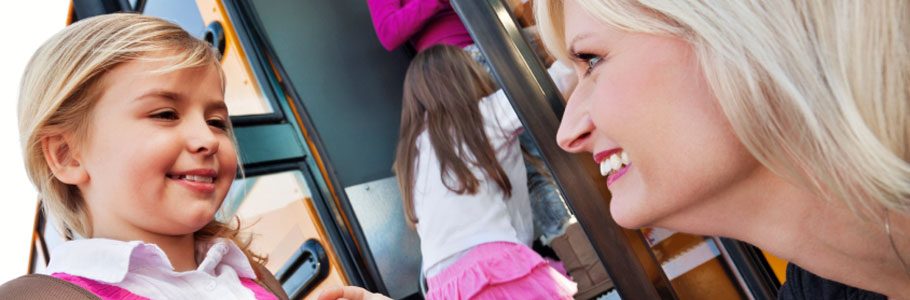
(464,186)
(463,183)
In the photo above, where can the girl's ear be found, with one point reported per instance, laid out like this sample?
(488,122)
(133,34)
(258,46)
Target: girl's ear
(63,160)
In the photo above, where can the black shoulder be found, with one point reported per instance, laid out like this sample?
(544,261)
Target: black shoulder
(802,284)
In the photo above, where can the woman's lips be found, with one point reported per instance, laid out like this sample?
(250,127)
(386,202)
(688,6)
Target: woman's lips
(614,176)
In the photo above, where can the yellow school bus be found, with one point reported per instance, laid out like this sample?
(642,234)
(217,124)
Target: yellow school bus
(315,101)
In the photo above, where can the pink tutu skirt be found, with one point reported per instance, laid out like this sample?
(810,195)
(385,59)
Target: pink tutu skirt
(500,270)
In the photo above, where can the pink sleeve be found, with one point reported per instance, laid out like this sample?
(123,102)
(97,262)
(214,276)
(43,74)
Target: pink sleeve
(396,23)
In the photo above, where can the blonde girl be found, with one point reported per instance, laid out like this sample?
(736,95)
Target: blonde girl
(782,123)
(128,141)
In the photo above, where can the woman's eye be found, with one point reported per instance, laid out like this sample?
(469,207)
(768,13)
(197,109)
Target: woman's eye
(218,123)
(166,115)
(590,61)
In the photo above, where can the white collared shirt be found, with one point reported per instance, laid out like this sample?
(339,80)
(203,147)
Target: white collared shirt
(144,269)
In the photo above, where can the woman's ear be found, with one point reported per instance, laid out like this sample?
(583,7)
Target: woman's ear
(63,160)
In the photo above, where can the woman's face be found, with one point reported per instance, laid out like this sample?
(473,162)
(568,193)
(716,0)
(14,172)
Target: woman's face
(158,156)
(644,97)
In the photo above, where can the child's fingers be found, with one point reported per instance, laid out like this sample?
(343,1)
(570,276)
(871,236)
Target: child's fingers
(331,293)
(346,292)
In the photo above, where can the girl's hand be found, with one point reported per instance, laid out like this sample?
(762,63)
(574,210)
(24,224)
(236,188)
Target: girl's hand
(349,293)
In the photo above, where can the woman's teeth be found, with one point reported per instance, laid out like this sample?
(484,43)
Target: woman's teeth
(613,163)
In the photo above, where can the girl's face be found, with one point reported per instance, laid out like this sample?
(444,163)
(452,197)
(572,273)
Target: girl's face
(158,157)
(644,97)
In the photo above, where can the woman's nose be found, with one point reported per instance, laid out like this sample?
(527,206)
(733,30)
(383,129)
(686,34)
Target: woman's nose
(575,130)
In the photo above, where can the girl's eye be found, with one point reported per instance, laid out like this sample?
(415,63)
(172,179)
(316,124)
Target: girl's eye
(218,123)
(590,61)
(166,115)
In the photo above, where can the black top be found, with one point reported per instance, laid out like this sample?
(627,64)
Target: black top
(804,285)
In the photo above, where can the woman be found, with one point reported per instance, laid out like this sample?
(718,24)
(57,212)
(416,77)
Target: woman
(785,124)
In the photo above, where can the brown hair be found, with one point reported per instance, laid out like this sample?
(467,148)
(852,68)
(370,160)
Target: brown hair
(58,92)
(442,88)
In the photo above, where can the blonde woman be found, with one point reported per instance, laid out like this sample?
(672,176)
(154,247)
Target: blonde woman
(128,141)
(785,124)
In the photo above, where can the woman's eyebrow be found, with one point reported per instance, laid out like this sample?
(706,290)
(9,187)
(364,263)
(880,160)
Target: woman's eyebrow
(576,39)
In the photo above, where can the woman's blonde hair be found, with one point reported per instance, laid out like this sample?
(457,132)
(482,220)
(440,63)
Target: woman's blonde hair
(816,90)
(62,83)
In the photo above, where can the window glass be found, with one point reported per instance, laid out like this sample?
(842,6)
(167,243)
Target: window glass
(243,95)
(184,13)
(278,210)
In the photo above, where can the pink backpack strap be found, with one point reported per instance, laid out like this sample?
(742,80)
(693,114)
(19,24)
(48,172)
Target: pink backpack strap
(102,290)
(260,292)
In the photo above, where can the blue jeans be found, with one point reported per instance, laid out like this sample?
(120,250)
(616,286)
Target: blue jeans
(551,215)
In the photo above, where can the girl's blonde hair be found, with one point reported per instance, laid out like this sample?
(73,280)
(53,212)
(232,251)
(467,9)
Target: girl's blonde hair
(61,85)
(816,90)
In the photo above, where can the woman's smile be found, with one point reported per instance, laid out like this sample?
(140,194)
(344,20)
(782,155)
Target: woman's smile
(614,163)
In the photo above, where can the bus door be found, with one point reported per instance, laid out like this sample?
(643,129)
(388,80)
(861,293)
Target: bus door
(342,94)
(643,264)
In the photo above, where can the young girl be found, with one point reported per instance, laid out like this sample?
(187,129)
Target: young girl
(128,140)
(463,183)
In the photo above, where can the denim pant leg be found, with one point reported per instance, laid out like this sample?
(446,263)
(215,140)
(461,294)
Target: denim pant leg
(550,212)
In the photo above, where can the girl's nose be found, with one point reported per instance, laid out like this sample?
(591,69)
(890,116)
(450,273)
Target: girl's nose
(201,139)
(575,130)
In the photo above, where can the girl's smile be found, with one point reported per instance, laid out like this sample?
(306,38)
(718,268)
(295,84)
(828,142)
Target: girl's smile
(199,180)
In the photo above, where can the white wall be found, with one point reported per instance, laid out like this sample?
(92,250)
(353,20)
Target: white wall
(24,25)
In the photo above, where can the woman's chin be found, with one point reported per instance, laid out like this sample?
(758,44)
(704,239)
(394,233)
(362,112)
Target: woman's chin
(628,216)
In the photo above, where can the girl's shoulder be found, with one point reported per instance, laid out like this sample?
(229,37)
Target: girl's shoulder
(43,287)
(68,287)
(497,110)
(267,280)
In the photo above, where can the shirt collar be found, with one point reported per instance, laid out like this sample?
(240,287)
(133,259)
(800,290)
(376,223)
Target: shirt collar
(81,258)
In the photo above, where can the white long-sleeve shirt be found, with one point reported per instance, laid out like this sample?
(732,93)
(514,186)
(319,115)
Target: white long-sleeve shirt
(450,224)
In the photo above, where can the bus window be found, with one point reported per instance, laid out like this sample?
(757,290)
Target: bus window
(243,91)
(278,211)
(184,13)
(346,90)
